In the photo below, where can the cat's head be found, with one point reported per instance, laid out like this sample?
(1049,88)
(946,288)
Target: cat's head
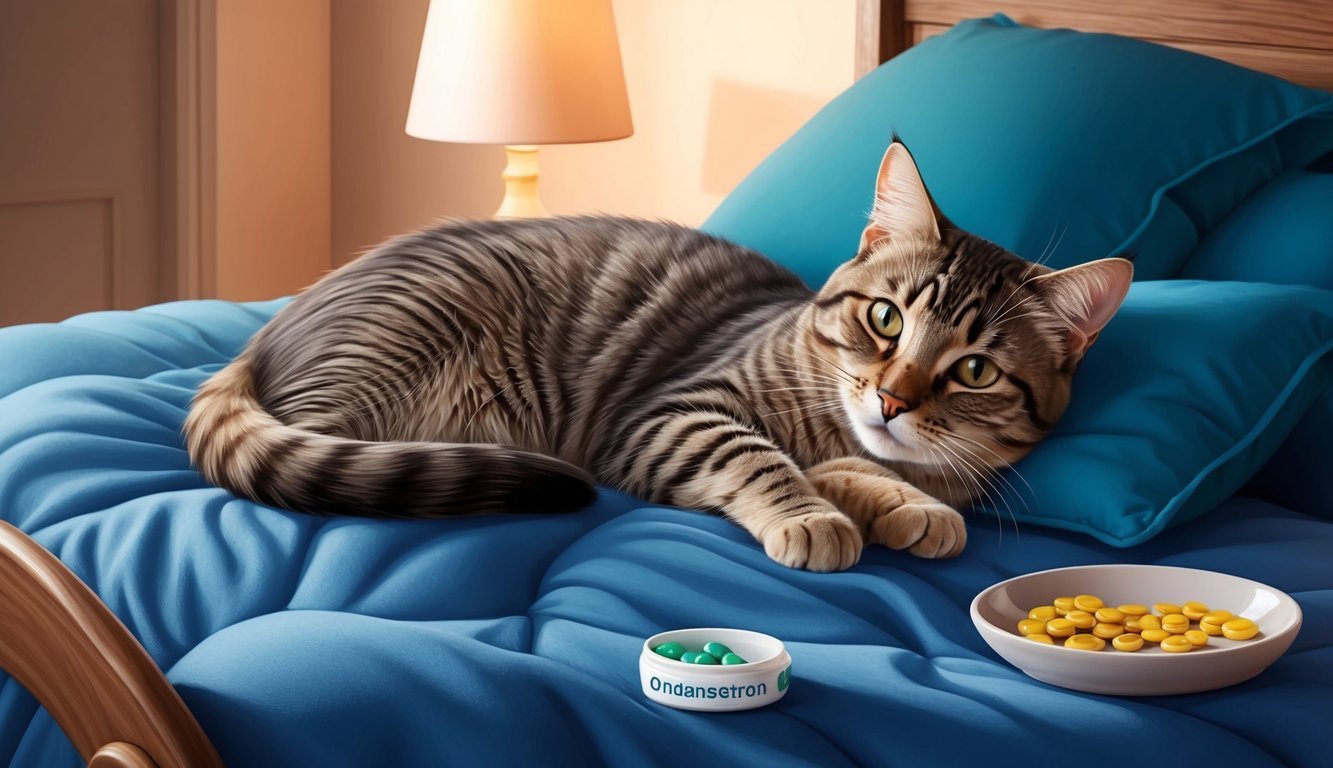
(955,351)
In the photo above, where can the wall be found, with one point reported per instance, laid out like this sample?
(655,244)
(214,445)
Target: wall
(714,86)
(273,151)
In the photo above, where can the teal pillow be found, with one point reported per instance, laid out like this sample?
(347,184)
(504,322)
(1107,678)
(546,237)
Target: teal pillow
(1281,234)
(1185,395)
(1053,143)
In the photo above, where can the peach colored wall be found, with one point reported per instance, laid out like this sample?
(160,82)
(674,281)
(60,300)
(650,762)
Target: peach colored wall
(714,86)
(273,151)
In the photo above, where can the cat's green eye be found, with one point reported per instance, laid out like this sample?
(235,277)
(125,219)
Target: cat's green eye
(976,371)
(885,319)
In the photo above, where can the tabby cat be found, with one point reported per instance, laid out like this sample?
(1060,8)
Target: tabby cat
(504,366)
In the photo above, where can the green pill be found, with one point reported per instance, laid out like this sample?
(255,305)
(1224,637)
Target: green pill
(670,650)
(689,656)
(702,658)
(716,650)
(732,658)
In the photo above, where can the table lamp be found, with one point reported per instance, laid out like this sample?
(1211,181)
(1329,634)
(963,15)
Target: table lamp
(519,73)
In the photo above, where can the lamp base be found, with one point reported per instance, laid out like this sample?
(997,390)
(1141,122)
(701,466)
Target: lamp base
(520,175)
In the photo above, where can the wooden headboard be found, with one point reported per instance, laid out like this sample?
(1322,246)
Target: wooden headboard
(1288,38)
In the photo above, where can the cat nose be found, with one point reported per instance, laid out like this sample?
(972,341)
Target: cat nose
(891,405)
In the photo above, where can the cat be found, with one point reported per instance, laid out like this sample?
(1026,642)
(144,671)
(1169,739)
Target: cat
(508,365)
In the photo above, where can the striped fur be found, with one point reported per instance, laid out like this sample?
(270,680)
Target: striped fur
(507,365)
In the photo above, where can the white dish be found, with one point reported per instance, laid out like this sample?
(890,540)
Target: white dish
(715,688)
(1151,671)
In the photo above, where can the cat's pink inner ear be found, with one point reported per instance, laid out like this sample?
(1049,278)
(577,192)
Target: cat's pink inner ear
(902,206)
(1086,297)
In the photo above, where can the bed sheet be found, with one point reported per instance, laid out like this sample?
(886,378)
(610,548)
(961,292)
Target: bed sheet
(513,640)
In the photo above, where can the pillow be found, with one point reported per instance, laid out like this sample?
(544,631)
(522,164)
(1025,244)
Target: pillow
(1298,476)
(1055,144)
(1281,234)
(1185,395)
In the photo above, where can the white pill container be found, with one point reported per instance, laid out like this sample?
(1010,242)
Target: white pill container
(716,688)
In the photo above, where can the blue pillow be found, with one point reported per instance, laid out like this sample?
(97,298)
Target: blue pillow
(1185,395)
(1053,143)
(1281,234)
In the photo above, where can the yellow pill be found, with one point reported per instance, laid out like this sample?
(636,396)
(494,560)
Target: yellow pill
(1085,643)
(1194,610)
(1240,629)
(1150,622)
(1132,624)
(1110,616)
(1081,619)
(1176,644)
(1216,617)
(1107,631)
(1175,623)
(1166,609)
(1063,605)
(1198,638)
(1031,627)
(1127,642)
(1211,629)
(1041,639)
(1133,609)
(1089,603)
(1060,627)
(1156,635)
(1043,612)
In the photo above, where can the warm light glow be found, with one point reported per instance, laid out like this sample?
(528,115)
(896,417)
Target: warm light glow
(519,72)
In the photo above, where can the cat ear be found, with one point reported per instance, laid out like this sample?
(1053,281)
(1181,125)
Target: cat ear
(903,207)
(1085,297)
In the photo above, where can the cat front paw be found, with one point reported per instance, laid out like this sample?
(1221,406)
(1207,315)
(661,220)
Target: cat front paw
(930,530)
(817,541)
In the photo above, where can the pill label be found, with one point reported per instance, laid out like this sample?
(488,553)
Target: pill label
(688,691)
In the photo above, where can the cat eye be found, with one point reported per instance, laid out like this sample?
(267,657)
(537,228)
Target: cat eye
(885,319)
(976,371)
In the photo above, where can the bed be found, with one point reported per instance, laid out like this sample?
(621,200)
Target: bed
(213,630)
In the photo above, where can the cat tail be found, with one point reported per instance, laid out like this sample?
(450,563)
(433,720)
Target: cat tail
(241,447)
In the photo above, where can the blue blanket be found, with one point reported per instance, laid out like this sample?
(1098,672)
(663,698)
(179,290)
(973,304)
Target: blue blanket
(299,640)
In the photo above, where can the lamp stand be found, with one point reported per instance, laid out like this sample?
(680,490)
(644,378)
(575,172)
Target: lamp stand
(520,175)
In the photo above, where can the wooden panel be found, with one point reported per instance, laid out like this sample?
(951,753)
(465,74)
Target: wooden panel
(1289,23)
(58,259)
(880,33)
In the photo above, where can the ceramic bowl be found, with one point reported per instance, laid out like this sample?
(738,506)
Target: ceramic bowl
(1150,671)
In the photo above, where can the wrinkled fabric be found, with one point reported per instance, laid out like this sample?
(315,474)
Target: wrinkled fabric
(513,640)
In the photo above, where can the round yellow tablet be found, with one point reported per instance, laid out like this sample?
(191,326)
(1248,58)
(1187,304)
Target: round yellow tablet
(1216,617)
(1132,624)
(1041,639)
(1128,642)
(1133,609)
(1063,605)
(1107,631)
(1194,610)
(1059,628)
(1175,623)
(1198,638)
(1089,603)
(1043,612)
(1031,627)
(1165,609)
(1240,629)
(1110,616)
(1155,635)
(1211,629)
(1081,619)
(1176,644)
(1085,643)
(1150,622)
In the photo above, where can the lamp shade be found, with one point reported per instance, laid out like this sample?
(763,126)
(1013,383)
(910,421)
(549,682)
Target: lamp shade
(519,72)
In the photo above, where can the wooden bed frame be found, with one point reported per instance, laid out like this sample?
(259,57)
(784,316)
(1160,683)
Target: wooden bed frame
(66,647)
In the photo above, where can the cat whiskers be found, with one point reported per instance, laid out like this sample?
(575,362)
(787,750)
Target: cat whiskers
(990,476)
(975,477)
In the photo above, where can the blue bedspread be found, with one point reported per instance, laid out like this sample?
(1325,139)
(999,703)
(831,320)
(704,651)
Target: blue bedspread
(299,640)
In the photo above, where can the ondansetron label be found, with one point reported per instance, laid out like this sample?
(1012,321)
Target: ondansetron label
(707,692)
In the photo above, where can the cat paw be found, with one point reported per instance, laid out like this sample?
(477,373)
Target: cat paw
(931,530)
(818,541)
